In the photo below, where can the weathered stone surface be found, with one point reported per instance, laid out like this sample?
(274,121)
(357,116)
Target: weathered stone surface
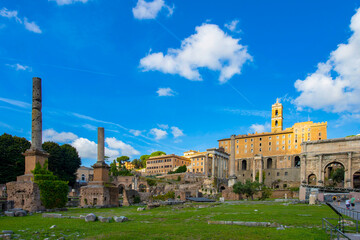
(140,209)
(53,226)
(153,205)
(20,213)
(5,236)
(104,219)
(9,214)
(90,217)
(51,215)
(121,219)
(8,232)
(82,217)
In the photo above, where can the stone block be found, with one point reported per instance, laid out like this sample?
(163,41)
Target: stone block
(90,217)
(104,219)
(20,213)
(140,209)
(9,214)
(121,219)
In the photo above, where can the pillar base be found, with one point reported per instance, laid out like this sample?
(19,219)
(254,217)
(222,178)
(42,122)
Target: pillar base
(232,181)
(32,157)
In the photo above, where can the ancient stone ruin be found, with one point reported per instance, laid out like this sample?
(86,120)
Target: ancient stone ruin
(24,192)
(100,191)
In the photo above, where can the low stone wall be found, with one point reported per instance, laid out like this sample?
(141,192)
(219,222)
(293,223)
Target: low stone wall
(281,194)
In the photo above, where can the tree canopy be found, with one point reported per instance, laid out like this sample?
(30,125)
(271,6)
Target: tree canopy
(249,188)
(121,160)
(145,157)
(12,162)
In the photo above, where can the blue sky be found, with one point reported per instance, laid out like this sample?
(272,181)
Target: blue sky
(176,75)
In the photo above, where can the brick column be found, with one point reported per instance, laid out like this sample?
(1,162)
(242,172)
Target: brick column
(320,175)
(213,166)
(261,171)
(254,169)
(349,178)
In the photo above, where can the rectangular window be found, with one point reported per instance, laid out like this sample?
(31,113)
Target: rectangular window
(277,148)
(277,137)
(283,136)
(252,139)
(269,148)
(289,147)
(237,141)
(269,138)
(245,146)
(277,143)
(245,151)
(260,150)
(319,134)
(295,146)
(277,174)
(260,139)
(252,145)
(245,140)
(269,143)
(286,173)
(252,150)
(283,142)
(283,147)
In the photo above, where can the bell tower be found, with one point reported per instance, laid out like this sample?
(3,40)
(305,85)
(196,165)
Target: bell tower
(277,117)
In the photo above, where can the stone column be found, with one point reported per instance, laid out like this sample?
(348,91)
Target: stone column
(206,165)
(36,115)
(213,166)
(254,169)
(320,177)
(261,171)
(303,169)
(101,148)
(231,166)
(349,177)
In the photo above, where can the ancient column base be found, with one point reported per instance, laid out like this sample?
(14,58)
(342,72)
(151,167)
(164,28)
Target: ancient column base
(232,181)
(32,157)
(26,195)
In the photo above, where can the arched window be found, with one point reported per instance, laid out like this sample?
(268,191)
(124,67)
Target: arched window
(83,177)
(276,112)
(297,162)
(269,163)
(276,123)
(243,165)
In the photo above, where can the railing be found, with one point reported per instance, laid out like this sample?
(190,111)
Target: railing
(350,213)
(332,230)
(333,189)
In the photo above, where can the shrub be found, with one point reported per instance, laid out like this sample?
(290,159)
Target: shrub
(137,199)
(179,178)
(53,192)
(265,193)
(151,182)
(164,197)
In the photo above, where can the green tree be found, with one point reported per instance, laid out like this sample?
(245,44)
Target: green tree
(121,160)
(143,159)
(12,162)
(180,169)
(157,153)
(63,161)
(113,169)
(248,189)
(337,175)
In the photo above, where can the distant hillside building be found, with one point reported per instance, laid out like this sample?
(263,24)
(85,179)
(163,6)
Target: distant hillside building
(84,174)
(165,163)
(128,165)
(273,157)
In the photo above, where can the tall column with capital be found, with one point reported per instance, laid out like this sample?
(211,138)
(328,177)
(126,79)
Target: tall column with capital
(254,169)
(101,169)
(231,166)
(206,165)
(261,171)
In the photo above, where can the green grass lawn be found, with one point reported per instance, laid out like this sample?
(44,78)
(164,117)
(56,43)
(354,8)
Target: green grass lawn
(170,222)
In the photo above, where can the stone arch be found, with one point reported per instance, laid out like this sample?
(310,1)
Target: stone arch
(142,187)
(130,187)
(243,165)
(121,188)
(331,171)
(222,188)
(312,179)
(297,161)
(356,179)
(269,163)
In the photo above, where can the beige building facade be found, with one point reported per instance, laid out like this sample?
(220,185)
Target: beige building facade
(273,157)
(165,163)
(84,174)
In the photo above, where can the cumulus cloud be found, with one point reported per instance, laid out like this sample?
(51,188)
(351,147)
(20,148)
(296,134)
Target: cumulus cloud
(232,26)
(31,26)
(150,10)
(88,149)
(158,133)
(125,149)
(19,67)
(259,128)
(165,92)
(54,136)
(335,85)
(208,48)
(176,132)
(67,2)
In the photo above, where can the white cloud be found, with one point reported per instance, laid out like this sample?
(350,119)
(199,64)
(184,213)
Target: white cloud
(232,26)
(158,133)
(32,26)
(15,102)
(163,126)
(163,92)
(88,149)
(335,85)
(90,127)
(135,132)
(176,132)
(150,10)
(63,137)
(67,2)
(4,12)
(208,48)
(126,149)
(260,128)
(19,67)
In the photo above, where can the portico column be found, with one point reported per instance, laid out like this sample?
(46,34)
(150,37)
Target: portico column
(206,167)
(260,171)
(213,166)
(320,181)
(231,165)
(349,177)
